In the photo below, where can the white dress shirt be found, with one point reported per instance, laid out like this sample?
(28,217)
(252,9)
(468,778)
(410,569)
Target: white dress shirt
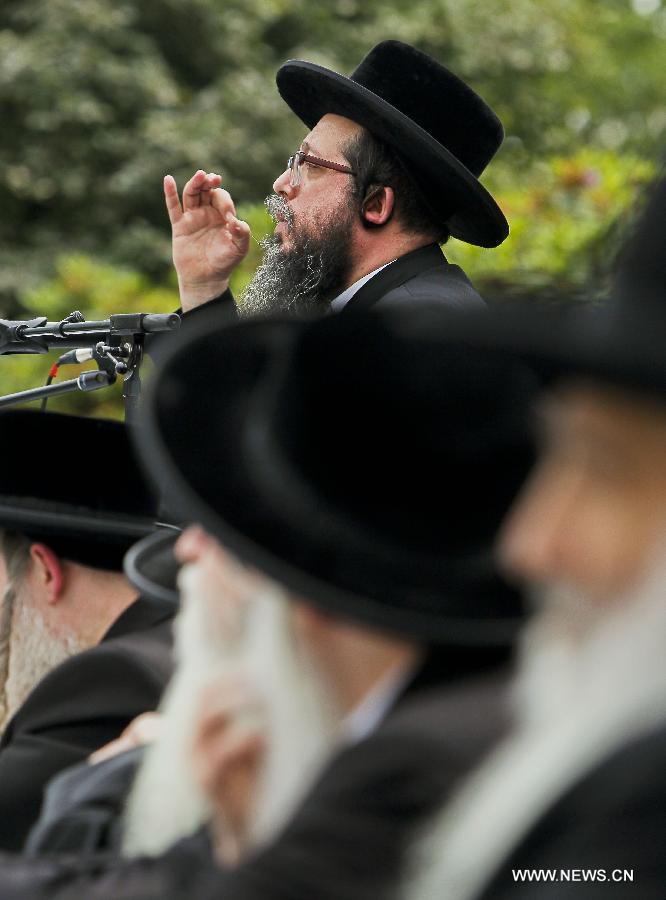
(370,712)
(344,298)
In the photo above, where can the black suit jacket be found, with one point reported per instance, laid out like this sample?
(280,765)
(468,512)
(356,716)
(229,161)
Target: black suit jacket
(83,805)
(613,819)
(348,839)
(421,276)
(82,704)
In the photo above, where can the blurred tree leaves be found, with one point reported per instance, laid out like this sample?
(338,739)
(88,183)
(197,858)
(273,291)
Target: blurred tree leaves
(100,98)
(567,217)
(98,289)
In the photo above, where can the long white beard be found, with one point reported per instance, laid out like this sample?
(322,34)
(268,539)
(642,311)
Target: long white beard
(553,653)
(590,679)
(580,654)
(302,722)
(166,802)
(33,650)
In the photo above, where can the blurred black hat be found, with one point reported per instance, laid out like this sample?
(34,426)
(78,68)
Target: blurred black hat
(621,341)
(73,483)
(439,126)
(363,462)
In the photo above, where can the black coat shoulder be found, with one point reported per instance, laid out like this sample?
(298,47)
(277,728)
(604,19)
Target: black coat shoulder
(348,839)
(613,820)
(421,276)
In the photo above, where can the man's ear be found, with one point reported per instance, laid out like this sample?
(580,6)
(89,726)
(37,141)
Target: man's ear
(48,571)
(378,205)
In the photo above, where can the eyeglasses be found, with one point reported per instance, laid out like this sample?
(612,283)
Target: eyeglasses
(294,166)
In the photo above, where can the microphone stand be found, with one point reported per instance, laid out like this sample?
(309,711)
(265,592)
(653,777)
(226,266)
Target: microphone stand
(118,344)
(87,381)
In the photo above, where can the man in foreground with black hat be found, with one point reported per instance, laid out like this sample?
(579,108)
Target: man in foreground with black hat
(577,792)
(378,608)
(80,656)
(388,171)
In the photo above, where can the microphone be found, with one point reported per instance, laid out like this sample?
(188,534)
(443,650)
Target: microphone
(75,357)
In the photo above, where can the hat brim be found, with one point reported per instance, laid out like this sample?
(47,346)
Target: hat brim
(46,518)
(576,340)
(74,534)
(151,566)
(312,91)
(253,526)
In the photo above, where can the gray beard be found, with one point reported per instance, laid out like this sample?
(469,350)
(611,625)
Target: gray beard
(31,652)
(301,281)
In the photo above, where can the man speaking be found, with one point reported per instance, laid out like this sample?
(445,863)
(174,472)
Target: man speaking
(388,171)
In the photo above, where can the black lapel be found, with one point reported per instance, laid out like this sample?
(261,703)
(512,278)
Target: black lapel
(395,274)
(138,616)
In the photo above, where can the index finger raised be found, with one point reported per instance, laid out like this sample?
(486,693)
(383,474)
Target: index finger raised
(172,199)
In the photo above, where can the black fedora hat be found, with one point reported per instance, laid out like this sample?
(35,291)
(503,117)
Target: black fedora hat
(444,131)
(360,461)
(75,484)
(621,341)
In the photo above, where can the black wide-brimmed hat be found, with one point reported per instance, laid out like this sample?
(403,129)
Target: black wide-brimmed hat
(75,484)
(621,341)
(442,130)
(364,462)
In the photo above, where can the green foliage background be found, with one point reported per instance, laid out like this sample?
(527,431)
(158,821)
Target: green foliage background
(100,98)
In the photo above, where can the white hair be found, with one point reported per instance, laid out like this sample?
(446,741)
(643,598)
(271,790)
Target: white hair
(29,648)
(166,802)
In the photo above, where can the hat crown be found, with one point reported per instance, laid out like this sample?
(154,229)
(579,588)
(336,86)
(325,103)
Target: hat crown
(71,463)
(440,128)
(74,483)
(355,461)
(435,99)
(455,430)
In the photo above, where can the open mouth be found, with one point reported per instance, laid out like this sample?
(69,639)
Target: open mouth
(284,217)
(279,210)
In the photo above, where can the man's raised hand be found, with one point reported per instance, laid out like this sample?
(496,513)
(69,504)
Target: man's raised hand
(209,241)
(228,752)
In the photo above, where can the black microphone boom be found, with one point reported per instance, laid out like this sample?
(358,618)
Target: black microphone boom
(117,342)
(39,336)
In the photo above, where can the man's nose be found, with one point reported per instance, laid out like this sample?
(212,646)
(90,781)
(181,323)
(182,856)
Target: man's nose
(191,544)
(532,543)
(282,185)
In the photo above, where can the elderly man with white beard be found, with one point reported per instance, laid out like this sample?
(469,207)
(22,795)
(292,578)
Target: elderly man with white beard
(357,676)
(236,626)
(577,792)
(80,654)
